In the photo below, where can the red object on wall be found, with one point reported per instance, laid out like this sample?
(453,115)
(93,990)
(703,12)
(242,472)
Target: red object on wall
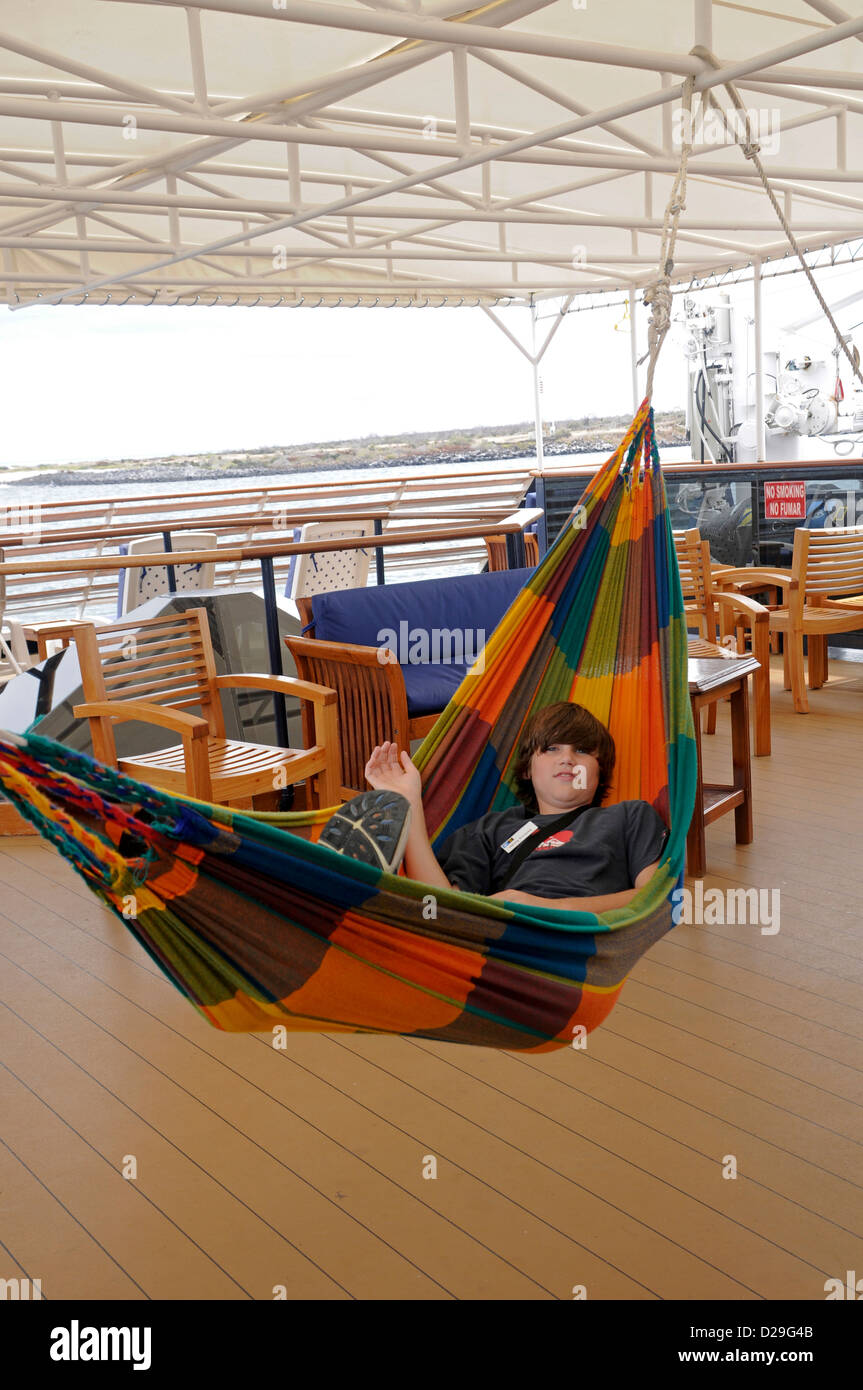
(785,501)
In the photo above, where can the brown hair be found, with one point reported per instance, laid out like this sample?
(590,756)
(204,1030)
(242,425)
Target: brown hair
(564,723)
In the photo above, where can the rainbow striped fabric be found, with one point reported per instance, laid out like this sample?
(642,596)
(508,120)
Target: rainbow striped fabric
(261,927)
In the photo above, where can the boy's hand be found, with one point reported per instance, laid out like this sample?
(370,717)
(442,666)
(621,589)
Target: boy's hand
(388,769)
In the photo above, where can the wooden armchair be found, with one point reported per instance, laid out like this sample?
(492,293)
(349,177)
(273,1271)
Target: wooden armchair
(154,671)
(734,614)
(372,700)
(824,564)
(496,550)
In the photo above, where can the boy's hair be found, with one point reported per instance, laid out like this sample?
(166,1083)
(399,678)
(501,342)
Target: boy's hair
(564,723)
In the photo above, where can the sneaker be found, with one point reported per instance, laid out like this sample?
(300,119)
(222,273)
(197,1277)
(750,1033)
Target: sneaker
(372,827)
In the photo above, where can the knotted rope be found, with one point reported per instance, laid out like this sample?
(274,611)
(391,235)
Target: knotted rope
(658,294)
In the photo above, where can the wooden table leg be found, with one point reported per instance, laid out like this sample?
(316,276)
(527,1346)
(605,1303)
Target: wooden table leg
(743,829)
(696,849)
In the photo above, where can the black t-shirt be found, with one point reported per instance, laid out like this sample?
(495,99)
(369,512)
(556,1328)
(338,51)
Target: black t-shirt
(602,851)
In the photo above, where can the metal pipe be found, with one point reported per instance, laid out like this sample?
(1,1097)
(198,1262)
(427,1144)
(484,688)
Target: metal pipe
(461,95)
(760,434)
(633,353)
(172,576)
(703,25)
(405,26)
(295,190)
(241,207)
(556,95)
(274,646)
(196,54)
(537,399)
(64,63)
(380,576)
(516,557)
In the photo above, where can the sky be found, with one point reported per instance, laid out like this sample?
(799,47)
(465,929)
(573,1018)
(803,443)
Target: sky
(85,383)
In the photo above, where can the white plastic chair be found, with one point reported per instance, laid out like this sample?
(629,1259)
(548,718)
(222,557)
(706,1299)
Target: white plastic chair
(15,655)
(321,571)
(138,585)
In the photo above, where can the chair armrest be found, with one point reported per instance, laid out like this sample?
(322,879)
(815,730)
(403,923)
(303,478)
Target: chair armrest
(120,711)
(346,653)
(280,685)
(739,603)
(754,574)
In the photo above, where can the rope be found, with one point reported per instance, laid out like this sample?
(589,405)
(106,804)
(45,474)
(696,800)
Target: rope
(658,294)
(751,149)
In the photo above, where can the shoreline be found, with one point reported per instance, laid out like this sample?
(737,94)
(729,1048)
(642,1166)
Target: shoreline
(492,445)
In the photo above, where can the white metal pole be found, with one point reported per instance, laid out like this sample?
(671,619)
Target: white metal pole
(537,401)
(633,353)
(704,23)
(760,435)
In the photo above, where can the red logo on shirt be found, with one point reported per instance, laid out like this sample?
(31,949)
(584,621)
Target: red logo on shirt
(555,841)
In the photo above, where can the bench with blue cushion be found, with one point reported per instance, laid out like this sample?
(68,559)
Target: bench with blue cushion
(469,605)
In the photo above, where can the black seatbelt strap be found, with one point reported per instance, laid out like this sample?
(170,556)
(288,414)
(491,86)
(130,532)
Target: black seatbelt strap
(542,833)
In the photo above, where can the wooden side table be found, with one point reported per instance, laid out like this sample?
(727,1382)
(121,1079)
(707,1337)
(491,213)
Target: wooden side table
(712,678)
(42,633)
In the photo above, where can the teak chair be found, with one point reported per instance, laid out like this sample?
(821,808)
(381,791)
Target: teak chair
(154,671)
(824,563)
(496,550)
(733,613)
(372,700)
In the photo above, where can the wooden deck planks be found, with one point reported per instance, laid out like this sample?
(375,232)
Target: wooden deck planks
(603,1167)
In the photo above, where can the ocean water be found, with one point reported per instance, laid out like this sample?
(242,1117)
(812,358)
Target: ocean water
(29,491)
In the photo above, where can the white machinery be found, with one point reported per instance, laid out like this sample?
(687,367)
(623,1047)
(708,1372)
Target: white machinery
(804,391)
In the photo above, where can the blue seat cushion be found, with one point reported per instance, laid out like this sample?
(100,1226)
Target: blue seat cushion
(437,627)
(429,689)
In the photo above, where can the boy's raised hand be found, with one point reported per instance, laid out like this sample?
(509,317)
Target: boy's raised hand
(389,769)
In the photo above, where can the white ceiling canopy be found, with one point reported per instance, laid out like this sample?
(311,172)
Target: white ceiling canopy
(285,152)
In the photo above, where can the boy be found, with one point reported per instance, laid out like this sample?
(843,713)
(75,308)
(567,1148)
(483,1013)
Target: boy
(594,859)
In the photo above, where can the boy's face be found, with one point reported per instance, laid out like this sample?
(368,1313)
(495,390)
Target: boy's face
(563,777)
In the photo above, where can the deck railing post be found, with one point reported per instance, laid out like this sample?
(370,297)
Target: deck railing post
(542,524)
(516,558)
(172,575)
(271,613)
(380,576)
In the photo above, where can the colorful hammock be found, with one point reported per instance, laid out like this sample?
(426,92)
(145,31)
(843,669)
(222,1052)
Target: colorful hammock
(259,926)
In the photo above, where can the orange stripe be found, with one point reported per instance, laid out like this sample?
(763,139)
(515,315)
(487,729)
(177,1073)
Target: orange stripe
(594,1008)
(356,986)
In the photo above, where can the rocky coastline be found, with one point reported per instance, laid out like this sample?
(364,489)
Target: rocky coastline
(451,447)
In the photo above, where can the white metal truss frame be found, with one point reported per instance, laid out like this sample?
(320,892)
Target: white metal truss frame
(82,225)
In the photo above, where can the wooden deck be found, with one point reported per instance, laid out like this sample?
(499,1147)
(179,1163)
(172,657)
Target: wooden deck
(603,1168)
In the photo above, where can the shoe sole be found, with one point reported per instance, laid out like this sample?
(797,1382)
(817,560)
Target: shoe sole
(371,828)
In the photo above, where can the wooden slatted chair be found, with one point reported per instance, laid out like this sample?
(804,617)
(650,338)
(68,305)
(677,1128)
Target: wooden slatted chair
(738,619)
(372,702)
(697,583)
(822,596)
(155,672)
(496,550)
